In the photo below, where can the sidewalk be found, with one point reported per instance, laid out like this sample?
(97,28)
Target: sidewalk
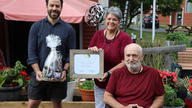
(149,29)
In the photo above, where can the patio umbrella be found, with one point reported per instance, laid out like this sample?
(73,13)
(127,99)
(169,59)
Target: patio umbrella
(33,10)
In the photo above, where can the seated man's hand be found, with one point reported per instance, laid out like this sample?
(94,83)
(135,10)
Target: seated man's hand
(133,106)
(105,75)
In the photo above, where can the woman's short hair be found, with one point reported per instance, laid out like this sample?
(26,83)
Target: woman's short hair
(115,11)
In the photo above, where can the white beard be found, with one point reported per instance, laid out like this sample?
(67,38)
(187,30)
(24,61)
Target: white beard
(133,66)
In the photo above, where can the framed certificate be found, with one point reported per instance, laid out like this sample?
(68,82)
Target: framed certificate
(86,64)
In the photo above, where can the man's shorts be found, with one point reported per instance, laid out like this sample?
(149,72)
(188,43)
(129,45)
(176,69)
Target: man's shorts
(42,90)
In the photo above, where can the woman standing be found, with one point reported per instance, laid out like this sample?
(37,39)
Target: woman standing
(112,40)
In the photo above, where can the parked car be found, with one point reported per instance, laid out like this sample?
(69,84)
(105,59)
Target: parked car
(148,19)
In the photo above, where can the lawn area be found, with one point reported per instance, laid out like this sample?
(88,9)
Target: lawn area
(160,37)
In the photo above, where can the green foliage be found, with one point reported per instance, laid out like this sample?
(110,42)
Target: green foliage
(133,7)
(154,60)
(165,7)
(13,76)
(171,98)
(69,78)
(160,38)
(87,85)
(176,36)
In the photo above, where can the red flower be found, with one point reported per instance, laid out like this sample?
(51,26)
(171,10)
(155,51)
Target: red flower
(23,73)
(164,76)
(174,79)
(190,88)
(173,73)
(168,74)
(190,81)
(5,68)
(27,78)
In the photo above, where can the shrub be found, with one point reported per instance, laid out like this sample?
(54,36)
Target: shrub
(176,36)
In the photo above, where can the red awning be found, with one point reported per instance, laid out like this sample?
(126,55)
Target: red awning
(34,10)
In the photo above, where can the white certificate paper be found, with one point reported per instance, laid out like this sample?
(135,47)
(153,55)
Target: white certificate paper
(86,64)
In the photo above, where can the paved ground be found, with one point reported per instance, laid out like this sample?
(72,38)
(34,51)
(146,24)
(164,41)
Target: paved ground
(150,30)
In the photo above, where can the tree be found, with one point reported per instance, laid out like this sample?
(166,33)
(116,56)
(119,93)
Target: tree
(133,7)
(165,7)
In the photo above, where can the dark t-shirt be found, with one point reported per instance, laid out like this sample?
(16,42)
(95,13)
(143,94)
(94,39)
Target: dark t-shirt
(113,50)
(37,45)
(138,89)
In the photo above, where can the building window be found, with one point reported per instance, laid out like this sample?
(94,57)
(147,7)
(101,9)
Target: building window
(188,7)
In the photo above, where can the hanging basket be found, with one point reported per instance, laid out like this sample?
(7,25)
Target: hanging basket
(87,95)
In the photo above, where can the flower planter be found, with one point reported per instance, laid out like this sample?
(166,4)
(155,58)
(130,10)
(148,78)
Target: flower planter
(70,89)
(87,95)
(10,93)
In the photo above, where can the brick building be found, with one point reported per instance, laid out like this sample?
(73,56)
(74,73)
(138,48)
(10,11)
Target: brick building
(179,18)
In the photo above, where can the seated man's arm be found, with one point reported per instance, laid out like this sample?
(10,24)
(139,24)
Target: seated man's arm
(110,100)
(158,102)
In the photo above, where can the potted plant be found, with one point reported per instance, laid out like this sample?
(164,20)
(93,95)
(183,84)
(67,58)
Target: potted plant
(87,90)
(172,88)
(11,81)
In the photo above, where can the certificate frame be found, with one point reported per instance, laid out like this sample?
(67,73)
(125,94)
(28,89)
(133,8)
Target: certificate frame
(80,67)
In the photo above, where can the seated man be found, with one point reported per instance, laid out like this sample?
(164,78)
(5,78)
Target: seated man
(134,85)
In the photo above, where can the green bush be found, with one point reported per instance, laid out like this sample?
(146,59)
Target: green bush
(171,98)
(176,36)
(68,77)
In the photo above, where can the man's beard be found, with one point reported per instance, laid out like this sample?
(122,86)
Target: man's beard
(133,66)
(56,14)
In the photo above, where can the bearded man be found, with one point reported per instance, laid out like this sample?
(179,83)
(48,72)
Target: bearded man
(38,51)
(134,85)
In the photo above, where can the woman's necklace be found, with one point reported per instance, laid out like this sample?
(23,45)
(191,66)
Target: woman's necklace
(111,40)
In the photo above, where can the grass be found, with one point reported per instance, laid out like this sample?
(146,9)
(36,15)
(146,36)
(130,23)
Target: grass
(148,35)
(160,37)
